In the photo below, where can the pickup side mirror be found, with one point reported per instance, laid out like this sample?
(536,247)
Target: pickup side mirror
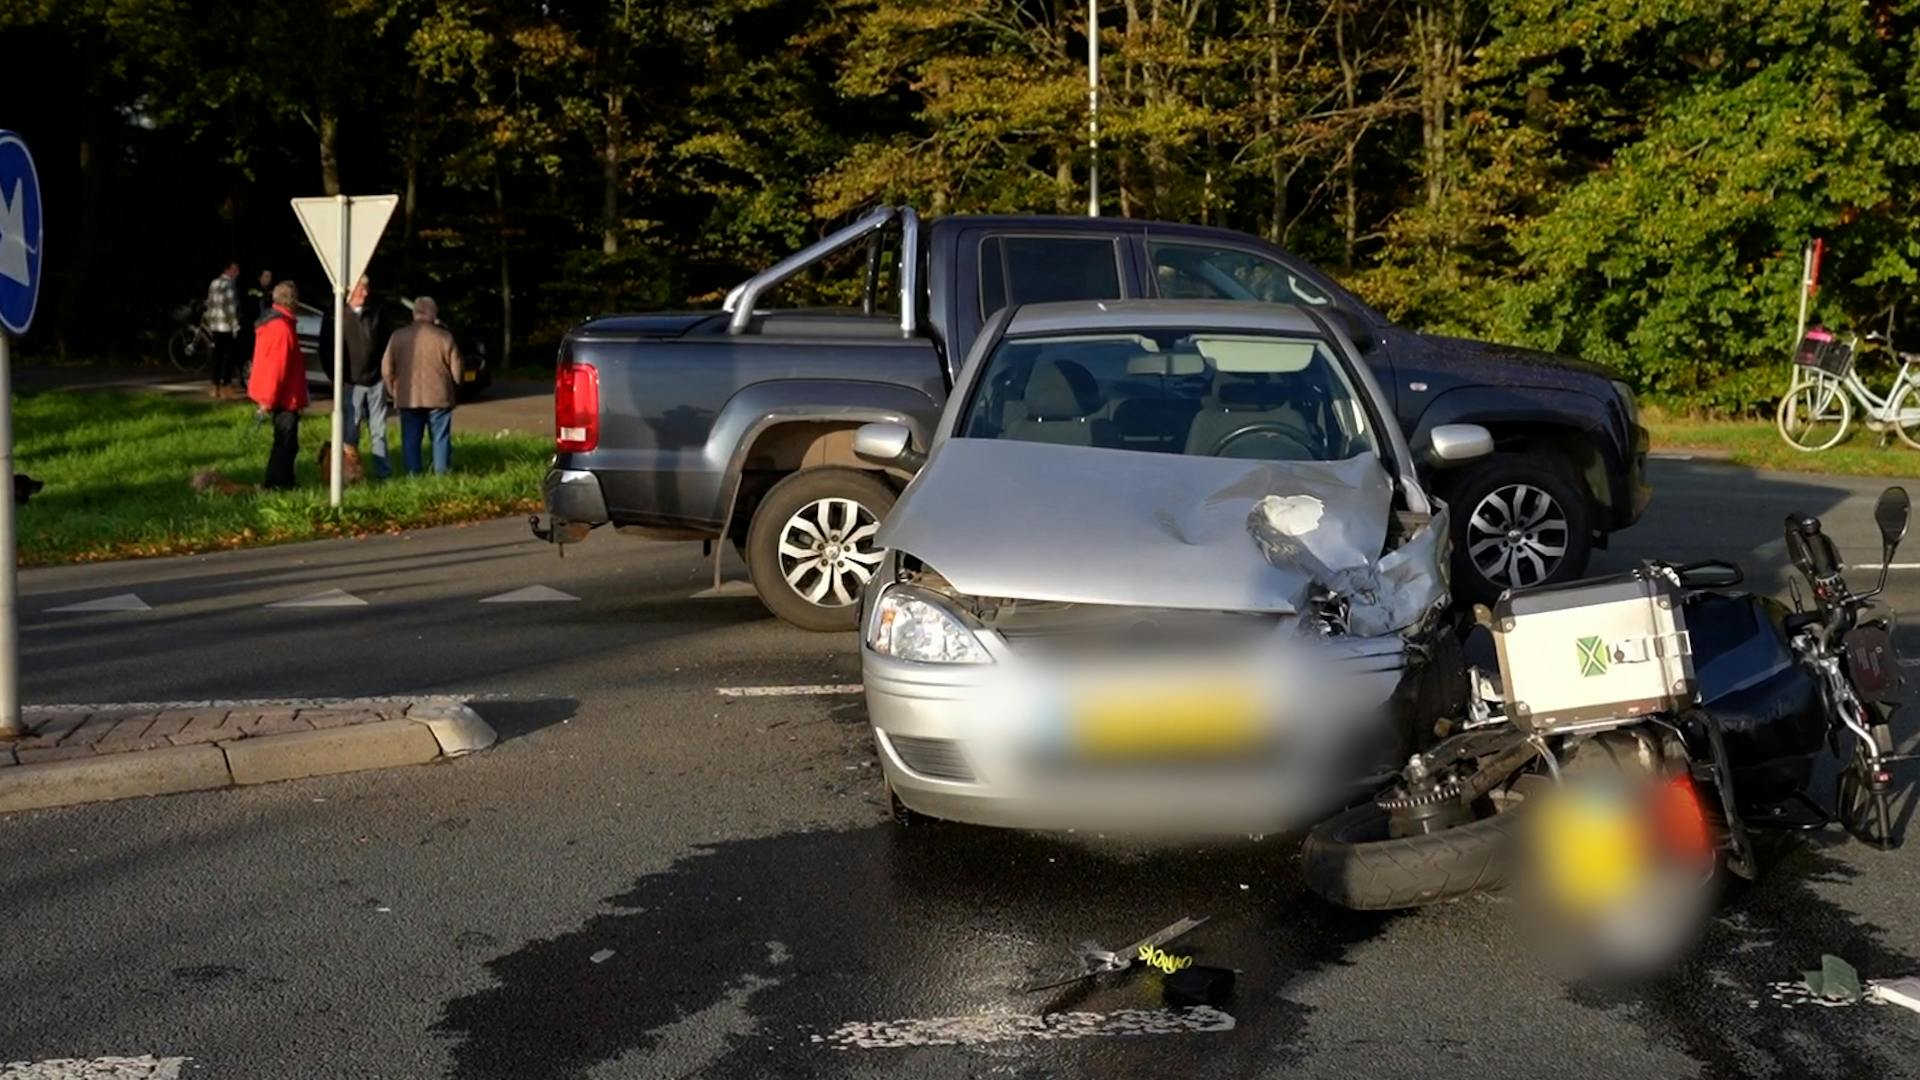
(887,444)
(1451,444)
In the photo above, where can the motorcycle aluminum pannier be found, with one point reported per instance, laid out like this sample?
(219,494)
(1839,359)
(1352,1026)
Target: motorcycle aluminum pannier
(1590,651)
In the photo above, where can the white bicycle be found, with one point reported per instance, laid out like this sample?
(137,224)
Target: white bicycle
(1818,408)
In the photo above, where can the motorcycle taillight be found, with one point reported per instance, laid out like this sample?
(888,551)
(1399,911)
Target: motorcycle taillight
(576,408)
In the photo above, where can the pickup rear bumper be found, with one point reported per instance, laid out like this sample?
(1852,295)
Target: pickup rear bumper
(574,504)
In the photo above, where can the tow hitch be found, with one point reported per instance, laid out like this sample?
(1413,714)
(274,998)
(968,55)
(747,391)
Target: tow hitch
(559,533)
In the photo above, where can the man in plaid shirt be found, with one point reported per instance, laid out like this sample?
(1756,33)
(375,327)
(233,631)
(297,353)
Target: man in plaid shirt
(222,320)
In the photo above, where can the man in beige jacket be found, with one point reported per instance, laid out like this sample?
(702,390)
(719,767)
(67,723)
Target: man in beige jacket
(422,369)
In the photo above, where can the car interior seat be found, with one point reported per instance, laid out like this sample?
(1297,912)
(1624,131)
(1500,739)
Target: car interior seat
(1058,407)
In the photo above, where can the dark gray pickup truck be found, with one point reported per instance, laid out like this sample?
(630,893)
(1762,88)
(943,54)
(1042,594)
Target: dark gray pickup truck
(738,424)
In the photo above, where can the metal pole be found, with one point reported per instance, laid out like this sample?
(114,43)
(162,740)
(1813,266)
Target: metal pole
(9,573)
(1093,107)
(1806,274)
(337,483)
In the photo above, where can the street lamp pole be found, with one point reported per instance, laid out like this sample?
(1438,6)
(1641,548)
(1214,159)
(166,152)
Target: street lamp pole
(1093,107)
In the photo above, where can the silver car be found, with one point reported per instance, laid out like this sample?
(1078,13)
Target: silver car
(1162,565)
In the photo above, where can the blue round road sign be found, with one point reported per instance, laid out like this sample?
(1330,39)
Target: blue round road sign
(19,234)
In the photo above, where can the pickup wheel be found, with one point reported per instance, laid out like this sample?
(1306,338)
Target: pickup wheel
(810,546)
(1518,521)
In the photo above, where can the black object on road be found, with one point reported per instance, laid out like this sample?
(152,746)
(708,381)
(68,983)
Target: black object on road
(1198,986)
(1097,961)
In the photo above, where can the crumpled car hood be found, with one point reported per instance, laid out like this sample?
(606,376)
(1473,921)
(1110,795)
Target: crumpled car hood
(1034,521)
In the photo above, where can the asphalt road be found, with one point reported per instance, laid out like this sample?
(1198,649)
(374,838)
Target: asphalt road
(734,855)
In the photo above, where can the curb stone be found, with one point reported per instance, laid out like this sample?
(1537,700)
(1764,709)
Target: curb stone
(388,732)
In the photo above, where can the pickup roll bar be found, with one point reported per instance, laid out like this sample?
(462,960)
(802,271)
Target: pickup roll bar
(742,298)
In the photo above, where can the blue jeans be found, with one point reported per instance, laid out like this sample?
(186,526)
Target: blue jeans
(369,404)
(416,422)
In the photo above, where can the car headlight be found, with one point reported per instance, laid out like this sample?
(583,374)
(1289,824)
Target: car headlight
(912,625)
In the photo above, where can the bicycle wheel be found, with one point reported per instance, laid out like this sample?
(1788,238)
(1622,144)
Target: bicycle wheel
(1906,415)
(187,348)
(1814,415)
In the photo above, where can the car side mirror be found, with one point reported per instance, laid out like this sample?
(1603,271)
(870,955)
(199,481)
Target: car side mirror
(887,444)
(1451,444)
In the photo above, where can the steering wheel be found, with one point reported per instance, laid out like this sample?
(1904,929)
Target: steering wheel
(1267,430)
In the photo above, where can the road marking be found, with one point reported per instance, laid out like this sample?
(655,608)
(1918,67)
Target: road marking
(726,591)
(123,602)
(144,1067)
(329,598)
(1006,1027)
(812,690)
(532,594)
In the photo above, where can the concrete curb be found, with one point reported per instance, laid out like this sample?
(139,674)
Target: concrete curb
(433,729)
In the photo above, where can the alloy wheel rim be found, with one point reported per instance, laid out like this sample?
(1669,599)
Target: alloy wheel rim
(827,552)
(1517,535)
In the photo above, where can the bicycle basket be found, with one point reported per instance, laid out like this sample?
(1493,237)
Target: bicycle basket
(1820,349)
(187,313)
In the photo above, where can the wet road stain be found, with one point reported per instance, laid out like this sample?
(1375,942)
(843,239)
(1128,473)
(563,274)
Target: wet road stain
(828,928)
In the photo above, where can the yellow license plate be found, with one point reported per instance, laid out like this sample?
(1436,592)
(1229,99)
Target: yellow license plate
(1204,722)
(469,376)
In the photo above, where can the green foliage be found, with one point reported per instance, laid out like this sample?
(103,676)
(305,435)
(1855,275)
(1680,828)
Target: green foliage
(1627,180)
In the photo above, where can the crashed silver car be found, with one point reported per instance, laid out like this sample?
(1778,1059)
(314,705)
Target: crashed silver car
(1162,565)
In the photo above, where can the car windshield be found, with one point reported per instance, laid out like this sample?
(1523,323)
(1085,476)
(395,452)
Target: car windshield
(1200,393)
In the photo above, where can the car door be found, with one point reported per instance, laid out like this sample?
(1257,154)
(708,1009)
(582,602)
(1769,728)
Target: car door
(1210,268)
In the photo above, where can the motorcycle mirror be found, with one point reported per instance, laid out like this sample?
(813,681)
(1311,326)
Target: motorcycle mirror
(1891,513)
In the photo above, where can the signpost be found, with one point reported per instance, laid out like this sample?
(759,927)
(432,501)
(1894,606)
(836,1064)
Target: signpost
(343,230)
(20,261)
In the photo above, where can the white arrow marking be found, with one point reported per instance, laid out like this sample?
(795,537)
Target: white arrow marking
(13,236)
(330,598)
(532,594)
(124,602)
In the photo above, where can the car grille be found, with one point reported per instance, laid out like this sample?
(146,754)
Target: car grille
(1082,629)
(938,758)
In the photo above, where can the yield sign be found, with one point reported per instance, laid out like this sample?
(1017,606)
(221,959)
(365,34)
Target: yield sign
(367,217)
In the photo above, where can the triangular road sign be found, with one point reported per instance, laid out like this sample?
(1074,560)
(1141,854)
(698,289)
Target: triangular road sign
(367,217)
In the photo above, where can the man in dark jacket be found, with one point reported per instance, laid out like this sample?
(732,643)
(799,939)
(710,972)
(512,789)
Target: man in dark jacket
(278,383)
(364,396)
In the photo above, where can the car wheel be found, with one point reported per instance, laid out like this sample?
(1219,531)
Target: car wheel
(810,546)
(1518,522)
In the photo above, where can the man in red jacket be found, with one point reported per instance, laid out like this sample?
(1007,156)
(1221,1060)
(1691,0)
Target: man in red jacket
(279,382)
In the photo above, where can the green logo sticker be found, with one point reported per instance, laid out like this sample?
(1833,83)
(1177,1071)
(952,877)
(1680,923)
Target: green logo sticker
(1593,656)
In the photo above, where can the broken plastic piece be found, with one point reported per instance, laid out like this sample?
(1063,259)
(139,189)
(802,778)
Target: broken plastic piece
(1836,980)
(1904,992)
(1198,986)
(1095,960)
(601,957)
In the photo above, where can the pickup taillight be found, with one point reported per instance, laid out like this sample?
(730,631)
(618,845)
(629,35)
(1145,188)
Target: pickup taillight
(576,408)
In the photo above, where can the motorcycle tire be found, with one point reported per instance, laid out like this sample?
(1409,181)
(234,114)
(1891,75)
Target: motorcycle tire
(1350,860)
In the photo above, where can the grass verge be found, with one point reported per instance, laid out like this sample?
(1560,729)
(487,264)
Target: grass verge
(1756,444)
(118,466)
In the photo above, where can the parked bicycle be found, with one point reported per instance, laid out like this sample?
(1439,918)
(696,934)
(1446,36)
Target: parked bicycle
(1818,408)
(191,346)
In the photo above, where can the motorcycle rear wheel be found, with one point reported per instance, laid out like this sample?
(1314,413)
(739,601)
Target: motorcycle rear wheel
(1350,860)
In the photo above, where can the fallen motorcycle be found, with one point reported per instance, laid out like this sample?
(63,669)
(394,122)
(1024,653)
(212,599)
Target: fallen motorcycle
(1717,702)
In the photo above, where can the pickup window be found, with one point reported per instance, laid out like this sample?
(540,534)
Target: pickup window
(1206,272)
(1037,269)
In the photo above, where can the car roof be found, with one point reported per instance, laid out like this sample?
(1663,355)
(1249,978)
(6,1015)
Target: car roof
(1077,315)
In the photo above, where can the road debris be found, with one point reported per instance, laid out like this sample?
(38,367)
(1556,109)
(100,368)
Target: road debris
(601,957)
(995,1028)
(1095,960)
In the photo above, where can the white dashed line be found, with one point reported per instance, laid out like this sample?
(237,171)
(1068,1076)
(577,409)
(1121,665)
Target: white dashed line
(1004,1027)
(122,602)
(813,690)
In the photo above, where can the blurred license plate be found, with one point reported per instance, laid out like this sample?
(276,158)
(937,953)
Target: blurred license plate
(1200,722)
(468,376)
